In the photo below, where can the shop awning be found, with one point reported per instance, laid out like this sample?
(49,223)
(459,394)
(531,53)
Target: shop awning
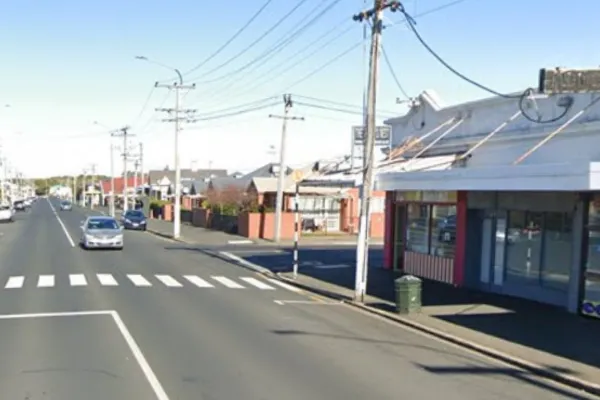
(565,176)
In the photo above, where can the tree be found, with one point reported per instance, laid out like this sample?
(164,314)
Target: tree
(169,191)
(193,190)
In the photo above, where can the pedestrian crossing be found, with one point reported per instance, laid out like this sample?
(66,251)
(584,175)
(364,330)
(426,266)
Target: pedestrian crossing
(149,280)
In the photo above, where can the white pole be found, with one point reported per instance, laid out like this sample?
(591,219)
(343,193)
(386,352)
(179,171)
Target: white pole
(177,208)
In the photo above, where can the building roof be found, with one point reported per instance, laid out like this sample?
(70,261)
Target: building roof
(155,176)
(105,185)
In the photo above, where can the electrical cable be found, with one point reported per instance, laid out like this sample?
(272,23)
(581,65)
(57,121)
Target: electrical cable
(271,78)
(336,103)
(391,68)
(325,65)
(340,110)
(520,97)
(258,40)
(287,38)
(253,103)
(232,38)
(144,106)
(233,114)
(268,74)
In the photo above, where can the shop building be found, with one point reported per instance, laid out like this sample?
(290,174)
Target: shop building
(491,215)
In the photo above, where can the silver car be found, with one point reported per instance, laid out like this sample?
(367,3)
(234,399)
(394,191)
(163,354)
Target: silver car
(101,232)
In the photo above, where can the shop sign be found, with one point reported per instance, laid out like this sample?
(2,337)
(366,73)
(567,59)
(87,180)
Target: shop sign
(591,309)
(563,80)
(427,196)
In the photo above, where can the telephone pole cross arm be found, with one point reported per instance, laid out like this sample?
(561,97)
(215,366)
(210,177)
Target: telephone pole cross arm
(124,133)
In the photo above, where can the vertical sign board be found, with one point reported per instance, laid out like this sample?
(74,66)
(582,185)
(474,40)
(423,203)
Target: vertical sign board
(563,80)
(382,135)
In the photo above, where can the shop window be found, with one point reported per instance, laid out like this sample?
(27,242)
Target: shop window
(592,273)
(417,228)
(523,243)
(443,231)
(557,250)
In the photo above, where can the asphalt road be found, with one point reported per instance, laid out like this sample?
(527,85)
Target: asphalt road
(81,324)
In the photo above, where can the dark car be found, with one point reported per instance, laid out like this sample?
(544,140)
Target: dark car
(134,219)
(19,205)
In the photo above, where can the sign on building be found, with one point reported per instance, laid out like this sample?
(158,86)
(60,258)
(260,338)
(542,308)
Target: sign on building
(382,135)
(563,80)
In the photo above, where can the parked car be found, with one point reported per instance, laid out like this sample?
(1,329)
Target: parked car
(101,232)
(134,219)
(6,213)
(19,205)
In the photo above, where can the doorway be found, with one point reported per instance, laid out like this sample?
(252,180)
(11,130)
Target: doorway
(399,236)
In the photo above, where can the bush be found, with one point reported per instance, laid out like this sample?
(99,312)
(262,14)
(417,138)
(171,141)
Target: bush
(157,203)
(230,200)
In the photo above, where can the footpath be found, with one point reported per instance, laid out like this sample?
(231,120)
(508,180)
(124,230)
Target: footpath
(537,338)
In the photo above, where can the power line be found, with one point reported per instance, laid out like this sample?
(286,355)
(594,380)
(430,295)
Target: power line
(232,38)
(391,68)
(144,106)
(287,38)
(240,112)
(323,66)
(332,109)
(520,97)
(269,73)
(258,40)
(337,103)
(245,105)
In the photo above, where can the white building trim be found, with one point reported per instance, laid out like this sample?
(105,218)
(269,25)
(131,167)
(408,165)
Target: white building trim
(568,162)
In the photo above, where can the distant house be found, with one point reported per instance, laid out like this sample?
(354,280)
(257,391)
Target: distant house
(160,181)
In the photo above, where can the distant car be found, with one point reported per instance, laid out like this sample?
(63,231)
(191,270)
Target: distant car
(19,205)
(134,219)
(6,213)
(101,232)
(66,205)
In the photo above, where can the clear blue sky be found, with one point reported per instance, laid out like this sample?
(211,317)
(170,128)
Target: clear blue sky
(67,63)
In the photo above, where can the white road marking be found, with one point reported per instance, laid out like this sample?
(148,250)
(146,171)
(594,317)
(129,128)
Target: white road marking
(56,314)
(243,262)
(257,283)
(285,285)
(168,280)
(139,280)
(107,280)
(311,302)
(332,266)
(159,391)
(45,281)
(77,280)
(15,282)
(240,241)
(227,282)
(64,228)
(196,280)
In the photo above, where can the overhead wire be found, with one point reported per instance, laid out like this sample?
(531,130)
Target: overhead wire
(340,110)
(287,38)
(253,103)
(521,98)
(256,41)
(293,59)
(231,39)
(144,106)
(393,73)
(420,15)
(236,113)
(335,103)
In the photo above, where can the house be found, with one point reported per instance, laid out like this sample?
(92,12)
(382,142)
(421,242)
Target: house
(161,180)
(134,183)
(490,201)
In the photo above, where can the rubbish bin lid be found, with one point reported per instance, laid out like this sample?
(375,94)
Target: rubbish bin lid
(408,278)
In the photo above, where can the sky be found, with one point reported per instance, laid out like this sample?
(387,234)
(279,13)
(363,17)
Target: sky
(69,74)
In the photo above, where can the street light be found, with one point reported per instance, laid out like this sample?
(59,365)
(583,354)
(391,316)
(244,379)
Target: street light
(177,205)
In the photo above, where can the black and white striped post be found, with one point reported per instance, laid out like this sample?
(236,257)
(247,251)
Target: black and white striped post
(296,228)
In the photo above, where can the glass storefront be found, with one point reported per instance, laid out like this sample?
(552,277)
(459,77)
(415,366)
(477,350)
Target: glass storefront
(591,292)
(538,249)
(431,229)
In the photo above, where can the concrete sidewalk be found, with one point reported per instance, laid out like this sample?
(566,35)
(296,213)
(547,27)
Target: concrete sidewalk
(532,336)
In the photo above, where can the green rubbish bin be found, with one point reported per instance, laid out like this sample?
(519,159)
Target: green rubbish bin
(408,294)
